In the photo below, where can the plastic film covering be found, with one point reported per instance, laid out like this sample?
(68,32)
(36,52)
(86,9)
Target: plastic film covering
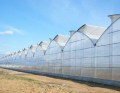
(107,53)
(93,32)
(89,52)
(78,56)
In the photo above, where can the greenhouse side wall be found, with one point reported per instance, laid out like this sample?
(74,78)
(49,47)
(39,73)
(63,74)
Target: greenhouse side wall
(80,59)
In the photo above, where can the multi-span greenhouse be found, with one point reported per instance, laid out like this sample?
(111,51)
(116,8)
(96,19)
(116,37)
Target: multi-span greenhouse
(91,54)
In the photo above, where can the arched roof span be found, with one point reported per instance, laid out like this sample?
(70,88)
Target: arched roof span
(114,18)
(25,49)
(43,45)
(93,32)
(84,29)
(118,18)
(33,48)
(60,40)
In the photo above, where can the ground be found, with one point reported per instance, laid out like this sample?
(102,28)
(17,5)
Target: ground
(19,82)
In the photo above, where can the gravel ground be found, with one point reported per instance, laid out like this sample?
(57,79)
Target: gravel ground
(19,82)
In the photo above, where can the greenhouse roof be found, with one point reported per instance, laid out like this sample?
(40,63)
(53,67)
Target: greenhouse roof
(61,39)
(44,44)
(24,51)
(33,48)
(114,17)
(93,32)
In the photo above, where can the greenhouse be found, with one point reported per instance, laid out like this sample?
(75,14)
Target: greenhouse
(91,53)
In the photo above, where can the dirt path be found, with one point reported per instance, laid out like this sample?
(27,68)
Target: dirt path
(19,82)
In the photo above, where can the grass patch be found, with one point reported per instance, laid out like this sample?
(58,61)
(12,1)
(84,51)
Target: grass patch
(2,72)
(6,75)
(29,80)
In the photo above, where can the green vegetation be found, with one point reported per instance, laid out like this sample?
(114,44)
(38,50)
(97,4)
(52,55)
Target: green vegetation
(6,75)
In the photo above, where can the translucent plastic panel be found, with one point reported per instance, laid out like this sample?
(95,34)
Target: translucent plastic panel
(66,70)
(53,44)
(116,37)
(76,36)
(53,56)
(79,62)
(102,62)
(79,53)
(73,46)
(115,61)
(29,54)
(67,47)
(116,25)
(87,72)
(73,71)
(116,74)
(58,49)
(72,54)
(87,62)
(66,55)
(51,63)
(103,73)
(115,48)
(104,39)
(78,71)
(87,42)
(72,62)
(57,62)
(51,69)
(47,51)
(39,49)
(58,56)
(66,62)
(89,52)
(79,44)
(103,50)
(107,35)
(46,57)
(58,70)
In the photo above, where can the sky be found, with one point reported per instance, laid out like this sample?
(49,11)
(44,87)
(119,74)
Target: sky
(27,22)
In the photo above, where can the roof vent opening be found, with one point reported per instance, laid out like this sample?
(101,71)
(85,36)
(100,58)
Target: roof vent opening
(114,17)
(71,32)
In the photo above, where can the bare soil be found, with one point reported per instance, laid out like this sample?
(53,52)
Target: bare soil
(19,82)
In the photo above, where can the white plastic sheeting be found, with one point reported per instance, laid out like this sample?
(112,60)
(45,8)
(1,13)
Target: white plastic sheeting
(91,52)
(93,32)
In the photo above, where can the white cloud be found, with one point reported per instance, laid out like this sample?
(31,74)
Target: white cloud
(7,32)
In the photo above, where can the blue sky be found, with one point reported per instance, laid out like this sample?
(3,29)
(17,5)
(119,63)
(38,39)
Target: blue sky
(26,22)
